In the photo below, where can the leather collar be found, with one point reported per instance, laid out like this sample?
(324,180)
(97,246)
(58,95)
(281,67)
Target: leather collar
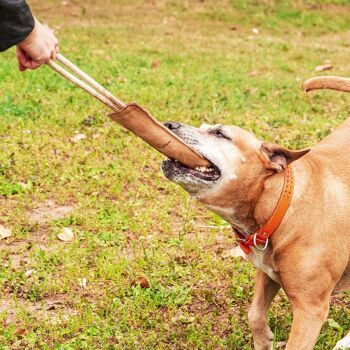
(260,238)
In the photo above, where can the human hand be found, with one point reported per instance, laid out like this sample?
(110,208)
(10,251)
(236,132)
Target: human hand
(37,48)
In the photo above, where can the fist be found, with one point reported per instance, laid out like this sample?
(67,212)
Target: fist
(37,48)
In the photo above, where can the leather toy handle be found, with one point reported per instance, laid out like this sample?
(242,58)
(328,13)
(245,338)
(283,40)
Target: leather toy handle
(88,84)
(132,117)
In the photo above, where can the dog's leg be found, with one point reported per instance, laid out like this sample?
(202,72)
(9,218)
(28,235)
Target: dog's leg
(310,309)
(343,343)
(265,291)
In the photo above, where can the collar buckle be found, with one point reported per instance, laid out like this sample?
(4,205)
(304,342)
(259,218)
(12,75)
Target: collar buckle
(256,244)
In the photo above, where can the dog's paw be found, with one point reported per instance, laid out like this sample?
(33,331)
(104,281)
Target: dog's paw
(343,344)
(263,345)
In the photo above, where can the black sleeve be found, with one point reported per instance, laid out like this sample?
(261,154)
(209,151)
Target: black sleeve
(16,22)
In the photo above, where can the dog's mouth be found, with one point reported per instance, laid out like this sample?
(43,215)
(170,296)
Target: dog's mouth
(211,173)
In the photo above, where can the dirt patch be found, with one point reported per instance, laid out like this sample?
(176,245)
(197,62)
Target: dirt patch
(17,261)
(54,308)
(21,247)
(14,245)
(213,301)
(6,309)
(48,211)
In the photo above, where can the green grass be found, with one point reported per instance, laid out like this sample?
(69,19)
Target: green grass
(128,220)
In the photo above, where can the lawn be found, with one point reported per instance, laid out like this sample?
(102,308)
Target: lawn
(145,269)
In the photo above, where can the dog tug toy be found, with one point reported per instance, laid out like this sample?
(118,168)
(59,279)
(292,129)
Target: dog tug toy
(132,117)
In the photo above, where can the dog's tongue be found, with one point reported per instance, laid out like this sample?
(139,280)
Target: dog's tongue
(137,120)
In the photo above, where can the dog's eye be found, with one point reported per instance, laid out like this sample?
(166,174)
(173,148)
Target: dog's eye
(218,133)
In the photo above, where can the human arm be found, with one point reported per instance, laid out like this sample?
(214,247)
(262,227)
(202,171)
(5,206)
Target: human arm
(16,22)
(35,42)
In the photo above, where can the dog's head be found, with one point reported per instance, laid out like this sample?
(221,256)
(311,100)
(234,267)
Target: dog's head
(239,164)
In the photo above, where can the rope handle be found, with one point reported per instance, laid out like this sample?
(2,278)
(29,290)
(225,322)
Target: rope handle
(86,83)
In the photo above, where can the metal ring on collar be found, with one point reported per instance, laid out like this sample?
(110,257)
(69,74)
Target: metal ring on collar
(256,244)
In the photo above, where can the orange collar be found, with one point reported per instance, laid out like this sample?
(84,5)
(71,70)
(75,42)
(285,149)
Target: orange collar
(261,236)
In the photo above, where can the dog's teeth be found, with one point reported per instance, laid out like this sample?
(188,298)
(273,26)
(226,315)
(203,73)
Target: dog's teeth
(204,169)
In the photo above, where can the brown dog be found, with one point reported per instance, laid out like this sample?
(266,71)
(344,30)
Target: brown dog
(308,255)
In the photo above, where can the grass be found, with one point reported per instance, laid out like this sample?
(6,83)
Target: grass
(190,61)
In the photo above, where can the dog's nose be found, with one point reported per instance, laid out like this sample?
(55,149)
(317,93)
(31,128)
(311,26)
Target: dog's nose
(172,125)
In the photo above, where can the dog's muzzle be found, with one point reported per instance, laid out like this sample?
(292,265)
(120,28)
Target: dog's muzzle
(178,172)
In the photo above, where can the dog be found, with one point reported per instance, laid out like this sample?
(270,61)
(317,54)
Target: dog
(308,253)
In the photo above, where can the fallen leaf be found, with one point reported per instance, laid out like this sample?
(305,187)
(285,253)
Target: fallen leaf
(332,323)
(251,91)
(186,319)
(82,282)
(121,80)
(98,52)
(29,273)
(66,235)
(24,185)
(253,73)
(21,331)
(163,310)
(236,252)
(78,137)
(142,282)
(322,67)
(5,232)
(51,307)
(155,64)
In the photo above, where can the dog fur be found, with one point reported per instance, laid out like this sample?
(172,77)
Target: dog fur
(309,254)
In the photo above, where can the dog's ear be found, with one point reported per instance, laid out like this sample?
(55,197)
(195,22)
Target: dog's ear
(277,158)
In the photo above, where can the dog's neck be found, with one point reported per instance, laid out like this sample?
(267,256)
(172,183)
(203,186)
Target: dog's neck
(248,217)
(268,198)
(250,210)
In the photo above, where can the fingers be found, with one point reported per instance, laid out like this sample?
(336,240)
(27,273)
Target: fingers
(33,65)
(27,62)
(21,67)
(55,51)
(51,46)
(24,61)
(49,52)
(22,58)
(39,47)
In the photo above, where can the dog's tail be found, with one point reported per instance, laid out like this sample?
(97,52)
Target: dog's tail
(327,82)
